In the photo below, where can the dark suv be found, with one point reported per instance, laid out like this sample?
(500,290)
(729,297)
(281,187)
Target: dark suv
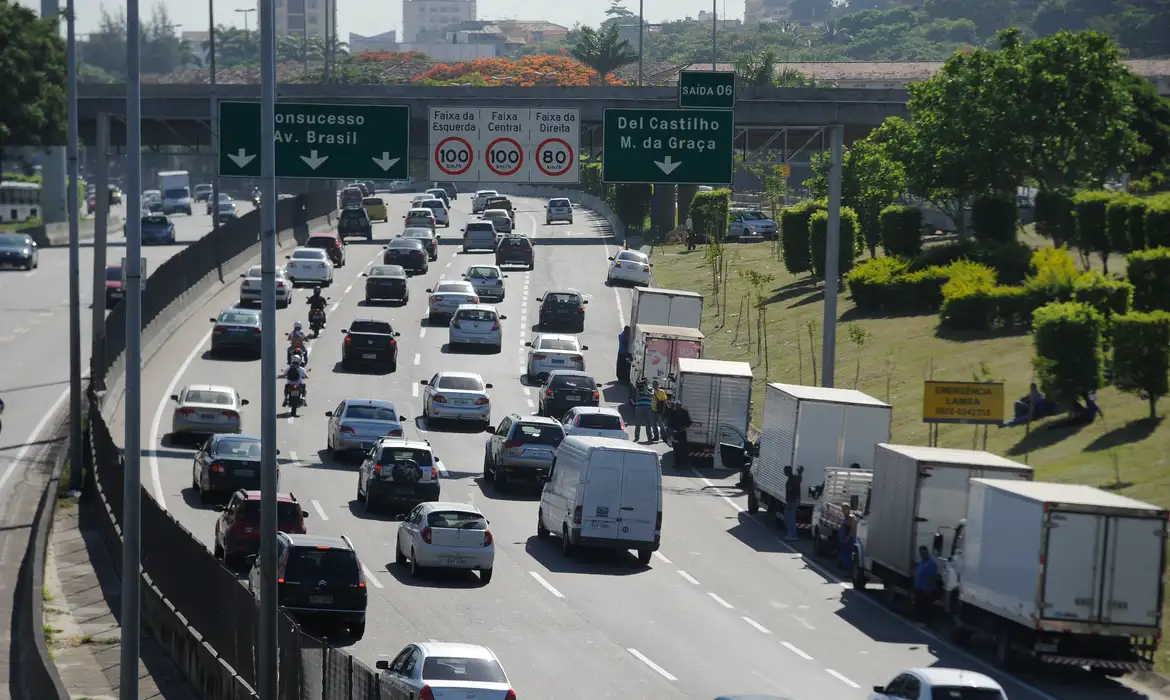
(565,389)
(319,579)
(398,474)
(237,530)
(515,250)
(355,221)
(562,308)
(522,448)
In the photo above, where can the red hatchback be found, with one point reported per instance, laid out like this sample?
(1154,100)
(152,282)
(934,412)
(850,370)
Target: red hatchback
(113,286)
(237,531)
(330,243)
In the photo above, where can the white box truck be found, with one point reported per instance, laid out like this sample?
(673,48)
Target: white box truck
(816,428)
(1060,574)
(665,307)
(718,396)
(175,186)
(656,350)
(916,493)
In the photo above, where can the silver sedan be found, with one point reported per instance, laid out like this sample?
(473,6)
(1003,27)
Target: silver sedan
(488,281)
(358,424)
(447,297)
(550,351)
(459,396)
(204,409)
(476,324)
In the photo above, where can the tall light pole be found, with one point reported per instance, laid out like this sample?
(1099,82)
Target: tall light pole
(714,32)
(53,207)
(641,26)
(73,213)
(214,112)
(246,12)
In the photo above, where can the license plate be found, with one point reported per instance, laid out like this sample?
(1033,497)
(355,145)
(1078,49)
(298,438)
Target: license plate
(245,472)
(404,489)
(207,416)
(452,560)
(321,599)
(558,361)
(572,398)
(599,526)
(367,446)
(459,402)
(369,355)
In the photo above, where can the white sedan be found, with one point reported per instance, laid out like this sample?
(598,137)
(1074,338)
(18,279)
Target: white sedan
(439,209)
(488,281)
(309,266)
(458,396)
(595,421)
(250,287)
(447,297)
(203,409)
(444,670)
(630,266)
(937,683)
(420,217)
(552,351)
(445,535)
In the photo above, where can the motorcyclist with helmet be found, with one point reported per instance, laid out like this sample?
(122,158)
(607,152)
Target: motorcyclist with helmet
(317,302)
(296,375)
(296,341)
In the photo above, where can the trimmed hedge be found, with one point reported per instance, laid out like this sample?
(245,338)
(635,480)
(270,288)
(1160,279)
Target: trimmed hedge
(1069,361)
(1149,273)
(1092,222)
(1157,223)
(1011,261)
(887,285)
(1054,272)
(1002,307)
(1120,214)
(794,228)
(850,248)
(901,230)
(1055,217)
(709,213)
(994,218)
(1109,297)
(967,278)
(1141,355)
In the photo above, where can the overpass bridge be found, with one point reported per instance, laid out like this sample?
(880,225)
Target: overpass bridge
(790,120)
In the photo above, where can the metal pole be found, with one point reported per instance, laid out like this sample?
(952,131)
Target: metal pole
(214,114)
(641,49)
(132,298)
(74,256)
(101,222)
(53,208)
(267,675)
(832,256)
(714,32)
(328,45)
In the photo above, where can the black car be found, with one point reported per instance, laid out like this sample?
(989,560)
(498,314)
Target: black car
(158,228)
(515,250)
(226,464)
(236,329)
(449,188)
(565,389)
(429,241)
(409,253)
(355,221)
(398,474)
(562,309)
(386,282)
(18,250)
(369,341)
(319,580)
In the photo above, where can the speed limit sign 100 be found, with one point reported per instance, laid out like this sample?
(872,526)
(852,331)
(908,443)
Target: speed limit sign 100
(554,157)
(504,157)
(453,155)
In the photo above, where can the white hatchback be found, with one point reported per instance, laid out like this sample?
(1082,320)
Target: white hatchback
(597,421)
(439,209)
(630,266)
(476,324)
(487,280)
(446,535)
(937,683)
(309,266)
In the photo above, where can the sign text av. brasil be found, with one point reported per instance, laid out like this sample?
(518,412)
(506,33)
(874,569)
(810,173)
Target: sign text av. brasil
(343,142)
(706,89)
(668,146)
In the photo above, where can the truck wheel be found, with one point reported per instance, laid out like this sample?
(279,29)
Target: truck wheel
(1005,656)
(817,543)
(753,502)
(960,635)
(858,574)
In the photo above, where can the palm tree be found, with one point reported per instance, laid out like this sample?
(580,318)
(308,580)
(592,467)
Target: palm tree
(604,51)
(833,31)
(756,69)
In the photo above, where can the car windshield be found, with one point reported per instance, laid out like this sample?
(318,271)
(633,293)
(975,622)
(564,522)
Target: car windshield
(406,243)
(434,204)
(455,288)
(447,668)
(753,216)
(558,203)
(338,566)
(569,344)
(476,315)
(456,520)
(947,693)
(418,235)
(224,197)
(288,514)
(217,398)
(113,274)
(373,201)
(378,327)
(154,221)
(359,412)
(599,421)
(239,318)
(571,381)
(419,214)
(633,256)
(351,194)
(387,271)
(237,448)
(563,300)
(175,193)
(390,455)
(495,214)
(484,226)
(490,273)
(255,271)
(308,255)
(486,193)
(459,384)
(321,242)
(13,241)
(538,434)
(358,214)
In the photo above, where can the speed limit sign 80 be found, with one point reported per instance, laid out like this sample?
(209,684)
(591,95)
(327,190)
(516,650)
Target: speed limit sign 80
(554,157)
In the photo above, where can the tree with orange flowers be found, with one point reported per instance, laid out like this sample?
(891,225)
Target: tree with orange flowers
(527,71)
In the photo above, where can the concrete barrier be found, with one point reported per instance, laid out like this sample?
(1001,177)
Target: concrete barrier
(56,235)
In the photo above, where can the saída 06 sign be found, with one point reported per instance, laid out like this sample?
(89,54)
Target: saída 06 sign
(706,89)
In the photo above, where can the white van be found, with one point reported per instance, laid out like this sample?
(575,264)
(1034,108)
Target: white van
(603,493)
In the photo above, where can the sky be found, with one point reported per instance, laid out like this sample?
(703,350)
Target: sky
(370,17)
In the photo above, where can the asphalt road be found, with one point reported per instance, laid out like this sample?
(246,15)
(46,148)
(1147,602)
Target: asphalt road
(724,608)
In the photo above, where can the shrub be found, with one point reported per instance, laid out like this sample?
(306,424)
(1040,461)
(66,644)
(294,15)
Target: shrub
(1054,270)
(1141,355)
(850,245)
(1092,228)
(967,278)
(921,290)
(944,254)
(631,203)
(994,218)
(1067,339)
(1157,224)
(1054,216)
(1117,213)
(1014,307)
(709,212)
(1108,296)
(1011,261)
(1137,212)
(794,228)
(989,308)
(1149,273)
(901,230)
(870,282)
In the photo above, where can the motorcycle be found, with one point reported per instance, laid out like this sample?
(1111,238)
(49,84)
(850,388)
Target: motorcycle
(301,353)
(316,321)
(293,394)
(256,201)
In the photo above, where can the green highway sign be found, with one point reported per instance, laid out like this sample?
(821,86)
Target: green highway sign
(699,89)
(318,141)
(668,146)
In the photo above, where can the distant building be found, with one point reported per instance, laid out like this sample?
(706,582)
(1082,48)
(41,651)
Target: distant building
(427,21)
(533,32)
(706,18)
(196,41)
(759,11)
(386,41)
(307,18)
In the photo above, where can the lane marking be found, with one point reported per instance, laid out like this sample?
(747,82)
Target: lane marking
(796,650)
(804,622)
(155,476)
(334,307)
(414,391)
(530,404)
(370,576)
(347,290)
(659,555)
(448,264)
(653,666)
(621,315)
(528,392)
(321,512)
(841,678)
(422,332)
(722,602)
(34,436)
(690,579)
(289,420)
(547,586)
(417,359)
(293,456)
(746,619)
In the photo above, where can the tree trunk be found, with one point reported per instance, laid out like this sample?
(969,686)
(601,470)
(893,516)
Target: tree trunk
(1153,408)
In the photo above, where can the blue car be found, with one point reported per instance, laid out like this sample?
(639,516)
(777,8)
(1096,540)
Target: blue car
(158,229)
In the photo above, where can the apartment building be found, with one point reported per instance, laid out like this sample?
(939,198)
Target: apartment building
(427,21)
(759,11)
(308,18)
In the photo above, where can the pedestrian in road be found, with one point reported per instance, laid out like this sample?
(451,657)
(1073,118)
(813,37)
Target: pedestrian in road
(792,491)
(660,407)
(925,584)
(677,422)
(623,356)
(643,415)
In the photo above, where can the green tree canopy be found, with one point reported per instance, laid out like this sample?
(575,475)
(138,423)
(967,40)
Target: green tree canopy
(33,108)
(603,50)
(870,181)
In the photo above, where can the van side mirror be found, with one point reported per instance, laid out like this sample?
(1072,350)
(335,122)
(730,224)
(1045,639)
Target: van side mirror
(400,517)
(382,665)
(250,560)
(936,543)
(219,509)
(304,513)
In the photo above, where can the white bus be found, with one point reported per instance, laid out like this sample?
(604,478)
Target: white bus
(19,201)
